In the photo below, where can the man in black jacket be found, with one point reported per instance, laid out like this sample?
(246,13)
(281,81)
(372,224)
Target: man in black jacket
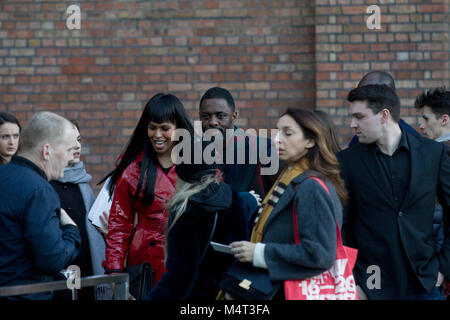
(435,124)
(392,178)
(217,111)
(382,77)
(37,238)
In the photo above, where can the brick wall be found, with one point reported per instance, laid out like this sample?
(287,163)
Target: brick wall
(269,54)
(412,45)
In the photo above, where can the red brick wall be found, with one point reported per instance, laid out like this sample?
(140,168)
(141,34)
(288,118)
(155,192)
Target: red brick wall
(412,45)
(269,54)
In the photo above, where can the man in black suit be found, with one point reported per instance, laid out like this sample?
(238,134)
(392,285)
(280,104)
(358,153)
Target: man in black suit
(382,77)
(392,178)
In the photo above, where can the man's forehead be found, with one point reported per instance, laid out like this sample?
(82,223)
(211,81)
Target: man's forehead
(359,106)
(214,106)
(427,110)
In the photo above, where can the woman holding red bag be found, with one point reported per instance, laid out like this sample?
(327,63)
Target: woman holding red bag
(142,184)
(310,192)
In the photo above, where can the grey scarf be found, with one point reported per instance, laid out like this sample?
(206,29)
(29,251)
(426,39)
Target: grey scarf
(78,175)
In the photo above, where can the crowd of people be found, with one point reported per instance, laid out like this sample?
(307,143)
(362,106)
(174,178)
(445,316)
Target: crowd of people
(388,193)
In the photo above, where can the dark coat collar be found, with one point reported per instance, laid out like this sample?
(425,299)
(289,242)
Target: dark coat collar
(24,162)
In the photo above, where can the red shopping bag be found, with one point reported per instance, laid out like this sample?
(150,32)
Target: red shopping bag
(337,283)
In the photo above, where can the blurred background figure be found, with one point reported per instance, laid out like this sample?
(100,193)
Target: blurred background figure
(9,136)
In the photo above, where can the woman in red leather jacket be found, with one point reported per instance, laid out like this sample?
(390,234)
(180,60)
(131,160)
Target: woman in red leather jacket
(142,184)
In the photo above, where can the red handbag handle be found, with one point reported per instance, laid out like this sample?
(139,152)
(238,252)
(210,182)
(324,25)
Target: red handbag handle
(294,217)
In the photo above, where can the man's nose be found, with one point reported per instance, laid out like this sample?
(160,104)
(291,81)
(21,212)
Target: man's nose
(353,124)
(213,122)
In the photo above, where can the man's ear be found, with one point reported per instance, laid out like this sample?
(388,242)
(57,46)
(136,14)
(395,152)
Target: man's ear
(234,116)
(311,143)
(445,120)
(46,151)
(385,115)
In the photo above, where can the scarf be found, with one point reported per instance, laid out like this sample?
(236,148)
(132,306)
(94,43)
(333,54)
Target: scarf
(77,174)
(271,199)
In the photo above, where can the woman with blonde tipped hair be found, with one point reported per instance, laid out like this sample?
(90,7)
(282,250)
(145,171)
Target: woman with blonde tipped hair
(203,209)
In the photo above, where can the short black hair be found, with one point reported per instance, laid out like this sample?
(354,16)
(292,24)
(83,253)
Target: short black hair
(378,97)
(219,93)
(438,99)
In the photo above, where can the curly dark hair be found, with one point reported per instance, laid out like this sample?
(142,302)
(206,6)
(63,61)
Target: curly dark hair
(438,99)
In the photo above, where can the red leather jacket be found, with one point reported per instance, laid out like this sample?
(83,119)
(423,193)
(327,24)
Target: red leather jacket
(145,242)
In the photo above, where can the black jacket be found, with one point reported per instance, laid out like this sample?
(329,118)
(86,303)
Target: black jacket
(391,239)
(247,176)
(33,246)
(188,238)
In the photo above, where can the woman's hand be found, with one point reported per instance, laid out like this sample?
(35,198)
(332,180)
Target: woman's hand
(243,250)
(104,220)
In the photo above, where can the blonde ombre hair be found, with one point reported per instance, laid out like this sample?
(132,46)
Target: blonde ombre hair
(184,190)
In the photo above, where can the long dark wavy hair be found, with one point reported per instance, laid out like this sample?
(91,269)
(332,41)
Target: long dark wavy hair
(321,157)
(160,108)
(8,118)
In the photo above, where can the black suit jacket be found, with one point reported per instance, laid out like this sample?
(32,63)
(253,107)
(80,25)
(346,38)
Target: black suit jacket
(388,238)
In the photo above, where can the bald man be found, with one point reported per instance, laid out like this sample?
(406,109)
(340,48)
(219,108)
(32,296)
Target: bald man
(37,238)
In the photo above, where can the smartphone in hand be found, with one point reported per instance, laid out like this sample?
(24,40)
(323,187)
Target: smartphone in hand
(221,247)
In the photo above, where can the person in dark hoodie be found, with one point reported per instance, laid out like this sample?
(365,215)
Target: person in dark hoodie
(200,194)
